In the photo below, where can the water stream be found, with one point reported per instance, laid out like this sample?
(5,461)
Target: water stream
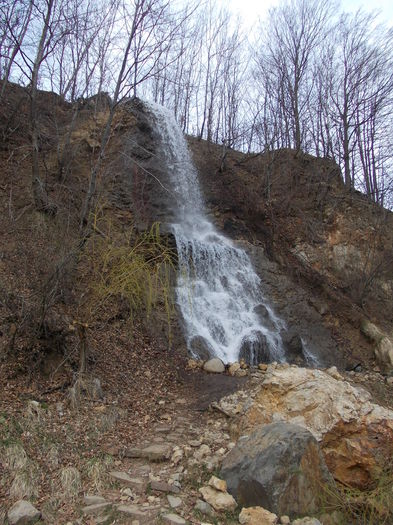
(218,292)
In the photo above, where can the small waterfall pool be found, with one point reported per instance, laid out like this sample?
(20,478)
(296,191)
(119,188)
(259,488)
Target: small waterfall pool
(218,292)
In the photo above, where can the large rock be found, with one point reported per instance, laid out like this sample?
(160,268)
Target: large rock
(356,435)
(254,349)
(214,366)
(23,513)
(383,344)
(279,467)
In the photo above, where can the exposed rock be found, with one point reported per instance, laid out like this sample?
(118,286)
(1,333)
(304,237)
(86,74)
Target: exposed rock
(262,311)
(204,507)
(306,521)
(93,500)
(200,348)
(174,519)
(257,516)
(279,467)
(137,484)
(293,346)
(174,501)
(96,509)
(23,513)
(214,366)
(218,484)
(135,513)
(356,434)
(254,349)
(220,501)
(162,486)
(383,344)
(202,452)
(233,368)
(157,452)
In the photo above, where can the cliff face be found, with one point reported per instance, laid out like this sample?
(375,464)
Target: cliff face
(329,251)
(324,255)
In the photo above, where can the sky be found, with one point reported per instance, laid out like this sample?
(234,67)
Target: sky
(250,10)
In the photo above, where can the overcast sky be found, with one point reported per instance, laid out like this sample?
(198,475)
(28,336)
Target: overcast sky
(250,10)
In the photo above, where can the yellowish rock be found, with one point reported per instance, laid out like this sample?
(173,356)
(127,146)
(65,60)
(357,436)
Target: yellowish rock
(234,367)
(218,484)
(257,516)
(220,501)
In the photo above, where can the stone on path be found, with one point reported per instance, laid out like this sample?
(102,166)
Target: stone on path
(23,513)
(257,516)
(135,513)
(163,486)
(137,484)
(306,521)
(220,501)
(214,366)
(218,484)
(204,507)
(96,509)
(174,501)
(174,519)
(157,452)
(90,499)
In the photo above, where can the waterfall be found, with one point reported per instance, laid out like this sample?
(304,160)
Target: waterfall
(218,292)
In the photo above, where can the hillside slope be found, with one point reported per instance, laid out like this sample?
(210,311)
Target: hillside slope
(324,256)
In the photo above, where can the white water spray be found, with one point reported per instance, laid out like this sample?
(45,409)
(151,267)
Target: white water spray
(218,292)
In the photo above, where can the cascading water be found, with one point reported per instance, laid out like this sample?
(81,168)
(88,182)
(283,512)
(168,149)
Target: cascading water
(217,291)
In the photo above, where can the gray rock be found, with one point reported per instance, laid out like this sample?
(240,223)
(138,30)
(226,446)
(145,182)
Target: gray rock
(204,507)
(306,521)
(174,501)
(293,346)
(23,513)
(137,484)
(96,509)
(214,366)
(162,486)
(200,348)
(174,519)
(135,513)
(157,452)
(279,467)
(90,499)
(254,349)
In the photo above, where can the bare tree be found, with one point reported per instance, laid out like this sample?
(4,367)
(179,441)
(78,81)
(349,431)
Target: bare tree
(147,24)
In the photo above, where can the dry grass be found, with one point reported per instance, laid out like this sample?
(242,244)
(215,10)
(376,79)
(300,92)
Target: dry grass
(369,507)
(97,473)
(70,483)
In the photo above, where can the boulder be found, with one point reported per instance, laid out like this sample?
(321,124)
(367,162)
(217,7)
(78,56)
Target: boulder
(383,345)
(214,366)
(356,435)
(201,348)
(23,513)
(279,467)
(254,349)
(257,516)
